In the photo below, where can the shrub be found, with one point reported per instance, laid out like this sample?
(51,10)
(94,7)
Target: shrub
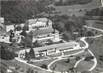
(7,55)
(101,58)
(67,61)
(43,66)
(30,71)
(89,58)
(78,58)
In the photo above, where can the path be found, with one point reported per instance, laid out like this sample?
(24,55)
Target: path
(65,56)
(94,28)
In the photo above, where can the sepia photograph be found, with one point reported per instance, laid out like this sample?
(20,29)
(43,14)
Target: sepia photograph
(51,36)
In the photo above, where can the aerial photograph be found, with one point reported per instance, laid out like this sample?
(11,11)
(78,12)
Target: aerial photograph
(51,36)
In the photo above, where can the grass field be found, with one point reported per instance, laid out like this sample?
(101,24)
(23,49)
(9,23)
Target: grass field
(22,67)
(84,66)
(45,62)
(74,9)
(62,65)
(97,48)
(98,24)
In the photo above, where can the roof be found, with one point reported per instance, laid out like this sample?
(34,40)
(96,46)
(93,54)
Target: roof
(34,21)
(1,20)
(42,31)
(59,46)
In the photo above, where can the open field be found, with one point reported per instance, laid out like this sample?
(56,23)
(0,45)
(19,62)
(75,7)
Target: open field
(22,67)
(84,65)
(98,24)
(75,9)
(97,48)
(62,65)
(41,63)
(95,23)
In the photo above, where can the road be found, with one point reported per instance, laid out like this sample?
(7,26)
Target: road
(94,28)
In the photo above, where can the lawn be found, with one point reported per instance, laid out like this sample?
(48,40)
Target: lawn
(21,67)
(97,48)
(84,65)
(62,65)
(95,23)
(40,63)
(75,9)
(98,24)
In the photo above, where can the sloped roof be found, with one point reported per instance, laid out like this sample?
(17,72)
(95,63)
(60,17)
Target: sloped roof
(59,46)
(33,21)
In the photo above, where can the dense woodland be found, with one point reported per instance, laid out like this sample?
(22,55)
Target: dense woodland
(20,10)
(95,12)
(71,2)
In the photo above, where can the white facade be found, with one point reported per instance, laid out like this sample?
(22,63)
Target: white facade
(1,20)
(39,23)
(9,27)
(42,28)
(54,37)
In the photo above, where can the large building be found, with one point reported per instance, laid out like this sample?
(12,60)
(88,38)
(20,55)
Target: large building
(42,30)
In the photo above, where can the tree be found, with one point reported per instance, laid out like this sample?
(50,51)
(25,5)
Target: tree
(18,11)
(44,66)
(78,58)
(72,70)
(3,67)
(18,28)
(90,33)
(67,36)
(6,54)
(32,53)
(26,27)
(37,44)
(30,70)
(95,12)
(23,33)
(101,58)
(54,67)
(26,55)
(70,26)
(27,40)
(68,60)
(89,58)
